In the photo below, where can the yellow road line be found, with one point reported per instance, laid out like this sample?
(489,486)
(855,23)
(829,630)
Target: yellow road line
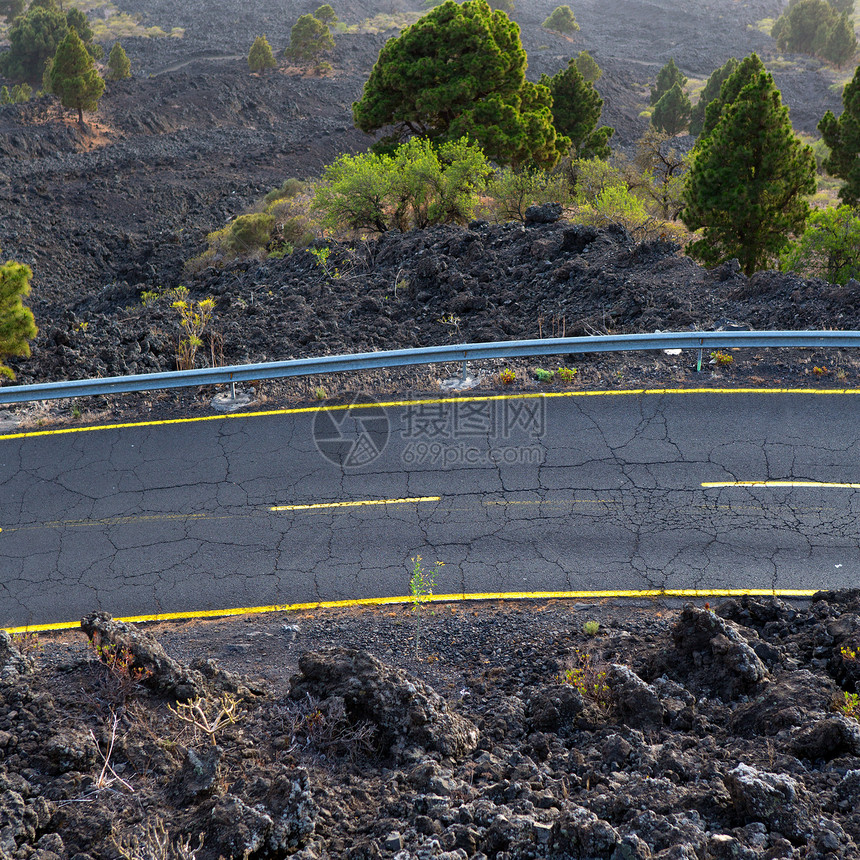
(629,392)
(829,484)
(437,598)
(504,503)
(355,504)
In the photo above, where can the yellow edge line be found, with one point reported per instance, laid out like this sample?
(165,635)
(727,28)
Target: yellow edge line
(435,598)
(779,484)
(356,504)
(630,392)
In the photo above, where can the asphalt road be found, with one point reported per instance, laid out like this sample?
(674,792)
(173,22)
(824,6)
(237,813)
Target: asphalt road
(516,494)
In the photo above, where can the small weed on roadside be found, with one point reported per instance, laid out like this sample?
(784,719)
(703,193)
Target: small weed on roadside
(567,374)
(589,679)
(507,376)
(544,375)
(721,359)
(590,628)
(421,585)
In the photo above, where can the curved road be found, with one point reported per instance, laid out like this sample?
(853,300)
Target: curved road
(573,492)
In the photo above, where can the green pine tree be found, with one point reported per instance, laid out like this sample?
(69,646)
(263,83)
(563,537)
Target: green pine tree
(748,181)
(588,67)
(309,40)
(667,77)
(33,40)
(710,91)
(746,71)
(11,9)
(17,326)
(74,77)
(119,66)
(562,20)
(260,57)
(5,98)
(576,107)
(838,41)
(672,112)
(461,70)
(326,14)
(843,137)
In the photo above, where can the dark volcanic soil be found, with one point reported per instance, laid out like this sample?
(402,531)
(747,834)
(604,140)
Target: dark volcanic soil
(519,733)
(193,139)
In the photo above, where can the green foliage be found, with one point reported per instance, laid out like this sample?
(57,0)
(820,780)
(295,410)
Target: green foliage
(721,359)
(591,628)
(829,247)
(326,14)
(661,172)
(460,70)
(417,186)
(667,77)
(843,137)
(74,77)
(421,585)
(815,27)
(287,189)
(250,232)
(672,112)
(567,374)
(19,94)
(11,9)
(589,679)
(845,7)
(576,107)
(562,20)
(260,57)
(77,19)
(543,375)
(745,72)
(119,66)
(710,91)
(506,6)
(748,181)
(310,38)
(193,319)
(33,39)
(588,67)
(513,191)
(849,705)
(17,326)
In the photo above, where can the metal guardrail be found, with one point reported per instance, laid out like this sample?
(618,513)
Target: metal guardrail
(427,355)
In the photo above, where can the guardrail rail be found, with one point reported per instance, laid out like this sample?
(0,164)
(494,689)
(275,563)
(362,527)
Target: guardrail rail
(425,355)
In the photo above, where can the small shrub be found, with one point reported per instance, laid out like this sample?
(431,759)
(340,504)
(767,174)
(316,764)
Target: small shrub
(562,20)
(849,705)
(567,374)
(193,318)
(589,679)
(544,375)
(287,189)
(721,359)
(119,65)
(421,585)
(590,628)
(820,371)
(507,376)
(260,57)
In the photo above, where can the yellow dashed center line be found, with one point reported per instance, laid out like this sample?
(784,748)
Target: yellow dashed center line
(827,484)
(359,504)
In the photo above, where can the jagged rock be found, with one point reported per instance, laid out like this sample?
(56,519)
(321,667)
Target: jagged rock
(631,847)
(827,738)
(772,798)
(199,772)
(636,702)
(13,663)
(159,671)
(71,750)
(714,653)
(544,213)
(554,707)
(407,711)
(580,833)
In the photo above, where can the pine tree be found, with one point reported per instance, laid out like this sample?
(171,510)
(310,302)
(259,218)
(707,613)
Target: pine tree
(561,20)
(33,40)
(672,112)
(710,91)
(843,137)
(11,9)
(588,67)
(309,40)
(745,72)
(74,77)
(119,66)
(667,77)
(17,326)
(576,107)
(460,70)
(838,41)
(260,57)
(748,181)
(326,14)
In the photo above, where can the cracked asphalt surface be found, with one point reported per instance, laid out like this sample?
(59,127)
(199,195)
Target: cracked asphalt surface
(515,494)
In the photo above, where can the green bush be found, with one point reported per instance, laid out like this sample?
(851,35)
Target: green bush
(562,20)
(417,186)
(512,191)
(829,248)
(260,57)
(287,189)
(310,38)
(119,66)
